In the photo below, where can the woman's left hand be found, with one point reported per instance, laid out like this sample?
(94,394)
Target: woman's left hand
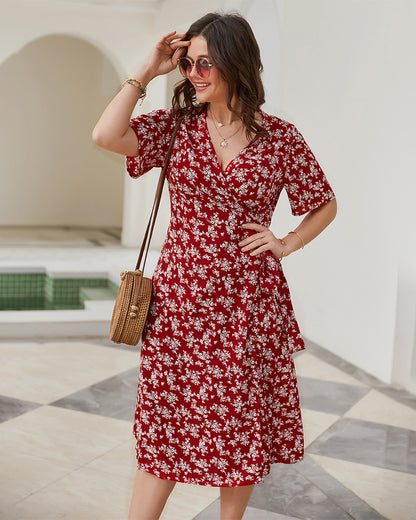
(262,241)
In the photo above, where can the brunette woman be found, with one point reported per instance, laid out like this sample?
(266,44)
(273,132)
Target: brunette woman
(217,398)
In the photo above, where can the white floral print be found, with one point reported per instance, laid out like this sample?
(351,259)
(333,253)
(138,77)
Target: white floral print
(217,399)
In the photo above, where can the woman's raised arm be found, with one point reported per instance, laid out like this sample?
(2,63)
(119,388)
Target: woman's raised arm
(112,130)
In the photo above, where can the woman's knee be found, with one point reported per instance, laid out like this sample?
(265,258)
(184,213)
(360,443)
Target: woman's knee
(150,494)
(234,501)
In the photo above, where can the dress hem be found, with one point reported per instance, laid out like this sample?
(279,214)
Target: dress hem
(154,471)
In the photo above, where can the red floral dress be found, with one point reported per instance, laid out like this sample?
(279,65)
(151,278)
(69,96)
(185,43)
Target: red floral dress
(217,398)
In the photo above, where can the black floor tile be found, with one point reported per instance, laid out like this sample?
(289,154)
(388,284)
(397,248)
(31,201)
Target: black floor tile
(369,443)
(114,397)
(288,492)
(344,497)
(11,407)
(329,397)
(395,392)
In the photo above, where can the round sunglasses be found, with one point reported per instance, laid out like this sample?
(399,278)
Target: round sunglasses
(202,65)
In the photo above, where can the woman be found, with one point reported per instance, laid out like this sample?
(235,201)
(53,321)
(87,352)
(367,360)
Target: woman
(217,401)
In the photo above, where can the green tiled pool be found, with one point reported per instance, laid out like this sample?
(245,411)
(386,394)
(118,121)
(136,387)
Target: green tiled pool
(39,291)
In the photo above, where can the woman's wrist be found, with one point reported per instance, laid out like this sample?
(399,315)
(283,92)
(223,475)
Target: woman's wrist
(291,243)
(144,74)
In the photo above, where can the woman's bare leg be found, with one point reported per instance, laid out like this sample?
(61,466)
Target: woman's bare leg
(150,494)
(234,501)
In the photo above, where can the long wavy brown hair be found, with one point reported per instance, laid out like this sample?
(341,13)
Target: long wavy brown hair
(234,51)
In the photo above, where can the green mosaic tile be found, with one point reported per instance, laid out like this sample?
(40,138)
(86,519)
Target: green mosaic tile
(18,303)
(28,284)
(28,291)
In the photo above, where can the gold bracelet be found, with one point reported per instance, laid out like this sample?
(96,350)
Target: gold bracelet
(136,83)
(300,238)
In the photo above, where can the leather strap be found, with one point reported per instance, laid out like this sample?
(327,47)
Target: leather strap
(149,230)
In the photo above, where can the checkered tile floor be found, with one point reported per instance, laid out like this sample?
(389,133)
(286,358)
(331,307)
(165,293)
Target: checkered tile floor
(67,406)
(68,452)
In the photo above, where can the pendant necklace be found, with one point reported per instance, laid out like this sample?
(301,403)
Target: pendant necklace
(224,140)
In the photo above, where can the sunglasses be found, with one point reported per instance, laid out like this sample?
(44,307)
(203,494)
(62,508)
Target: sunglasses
(202,65)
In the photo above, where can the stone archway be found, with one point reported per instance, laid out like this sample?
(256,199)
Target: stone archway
(53,91)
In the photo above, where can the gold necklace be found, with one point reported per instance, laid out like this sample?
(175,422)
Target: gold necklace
(216,120)
(224,140)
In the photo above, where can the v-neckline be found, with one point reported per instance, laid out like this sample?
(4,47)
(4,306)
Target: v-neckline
(211,144)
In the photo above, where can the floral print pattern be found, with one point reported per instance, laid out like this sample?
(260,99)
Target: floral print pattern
(217,399)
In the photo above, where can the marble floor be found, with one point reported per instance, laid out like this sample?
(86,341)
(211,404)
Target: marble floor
(66,445)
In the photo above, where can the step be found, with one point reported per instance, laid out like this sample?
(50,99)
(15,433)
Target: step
(97,293)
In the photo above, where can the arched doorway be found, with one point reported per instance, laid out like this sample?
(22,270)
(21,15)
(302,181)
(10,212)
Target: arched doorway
(53,92)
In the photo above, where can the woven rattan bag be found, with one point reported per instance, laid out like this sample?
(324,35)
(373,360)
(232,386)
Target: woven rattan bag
(133,298)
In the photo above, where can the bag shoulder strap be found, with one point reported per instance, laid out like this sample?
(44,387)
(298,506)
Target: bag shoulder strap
(151,224)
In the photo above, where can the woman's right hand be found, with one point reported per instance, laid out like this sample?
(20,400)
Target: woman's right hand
(164,56)
(112,131)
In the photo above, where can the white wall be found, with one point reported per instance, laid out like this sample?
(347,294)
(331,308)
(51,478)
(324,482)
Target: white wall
(347,84)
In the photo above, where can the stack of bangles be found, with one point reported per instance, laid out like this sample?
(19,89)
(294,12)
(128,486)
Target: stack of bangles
(300,238)
(136,83)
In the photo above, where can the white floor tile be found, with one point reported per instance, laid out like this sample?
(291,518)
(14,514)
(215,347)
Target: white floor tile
(87,494)
(120,460)
(84,494)
(26,236)
(377,407)
(308,365)
(62,436)
(112,259)
(45,372)
(391,493)
(22,474)
(315,423)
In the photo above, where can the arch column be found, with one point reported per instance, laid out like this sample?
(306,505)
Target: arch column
(52,173)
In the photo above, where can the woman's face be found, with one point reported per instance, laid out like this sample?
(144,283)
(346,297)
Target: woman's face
(213,89)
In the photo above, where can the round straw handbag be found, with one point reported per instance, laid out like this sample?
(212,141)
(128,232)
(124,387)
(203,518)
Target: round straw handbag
(134,296)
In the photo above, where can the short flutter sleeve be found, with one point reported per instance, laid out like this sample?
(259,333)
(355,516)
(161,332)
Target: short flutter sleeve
(153,132)
(304,181)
